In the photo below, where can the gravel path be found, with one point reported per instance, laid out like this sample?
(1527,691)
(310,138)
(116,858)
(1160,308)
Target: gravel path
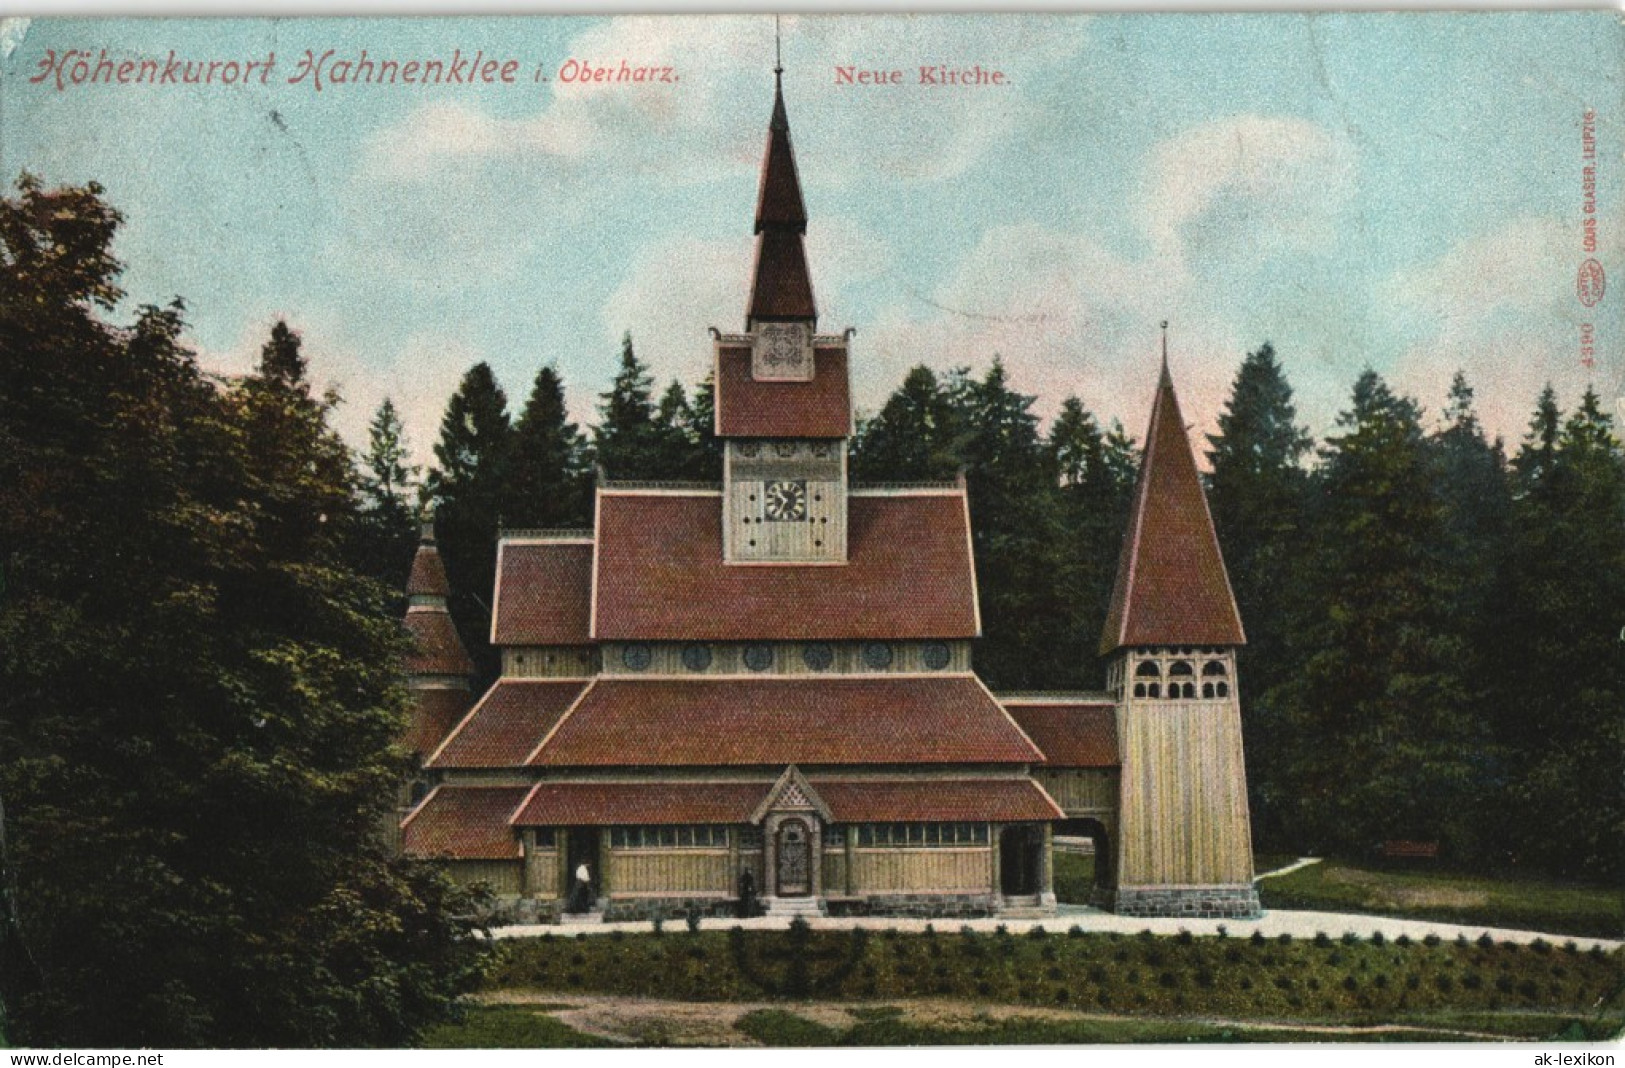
(644,1021)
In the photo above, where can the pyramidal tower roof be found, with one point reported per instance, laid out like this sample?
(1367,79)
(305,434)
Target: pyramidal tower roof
(1171,588)
(781,288)
(439,649)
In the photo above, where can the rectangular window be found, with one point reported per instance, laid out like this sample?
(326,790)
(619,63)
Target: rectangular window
(912,835)
(750,838)
(669,837)
(834,837)
(544,838)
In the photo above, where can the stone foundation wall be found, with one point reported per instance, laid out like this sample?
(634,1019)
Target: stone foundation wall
(505,911)
(925,906)
(669,908)
(1191,902)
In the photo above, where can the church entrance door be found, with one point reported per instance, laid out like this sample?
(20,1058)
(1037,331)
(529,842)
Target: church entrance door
(795,859)
(581,847)
(1019,861)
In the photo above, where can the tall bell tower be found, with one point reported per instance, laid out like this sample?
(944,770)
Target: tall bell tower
(1184,845)
(783,409)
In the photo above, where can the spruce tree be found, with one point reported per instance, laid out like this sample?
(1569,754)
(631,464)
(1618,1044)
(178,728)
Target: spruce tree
(915,437)
(467,488)
(1378,724)
(1095,483)
(386,537)
(547,484)
(1257,495)
(1016,527)
(1560,671)
(674,447)
(706,455)
(624,442)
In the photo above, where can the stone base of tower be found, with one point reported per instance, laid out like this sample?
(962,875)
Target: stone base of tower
(1184,902)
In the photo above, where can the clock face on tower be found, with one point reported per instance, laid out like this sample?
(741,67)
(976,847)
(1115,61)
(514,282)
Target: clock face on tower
(786,501)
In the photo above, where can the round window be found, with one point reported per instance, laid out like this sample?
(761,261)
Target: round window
(697,657)
(637,657)
(818,657)
(758,657)
(877,655)
(936,655)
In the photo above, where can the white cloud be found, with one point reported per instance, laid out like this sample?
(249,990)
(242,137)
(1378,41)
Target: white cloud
(678,286)
(420,377)
(1068,316)
(1256,183)
(1501,306)
(710,121)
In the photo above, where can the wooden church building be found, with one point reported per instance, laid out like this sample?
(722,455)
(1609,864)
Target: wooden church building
(770,680)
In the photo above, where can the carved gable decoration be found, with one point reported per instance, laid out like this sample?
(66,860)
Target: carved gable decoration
(792,793)
(782,352)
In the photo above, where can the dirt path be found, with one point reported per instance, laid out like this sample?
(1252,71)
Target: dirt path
(649,1021)
(1301,862)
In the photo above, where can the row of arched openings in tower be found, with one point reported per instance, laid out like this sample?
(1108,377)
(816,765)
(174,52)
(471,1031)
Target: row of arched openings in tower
(1182,681)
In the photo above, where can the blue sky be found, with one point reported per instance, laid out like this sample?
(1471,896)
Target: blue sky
(1400,192)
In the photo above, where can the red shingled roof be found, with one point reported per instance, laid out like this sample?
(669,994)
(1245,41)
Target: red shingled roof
(434,713)
(605,804)
(1072,735)
(437,650)
(937,800)
(661,577)
(778,197)
(428,576)
(777,721)
(543,593)
(464,823)
(1171,584)
(508,723)
(820,407)
(781,285)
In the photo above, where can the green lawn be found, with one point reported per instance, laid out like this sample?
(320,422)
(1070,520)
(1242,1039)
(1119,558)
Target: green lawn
(1074,878)
(509,1027)
(1511,901)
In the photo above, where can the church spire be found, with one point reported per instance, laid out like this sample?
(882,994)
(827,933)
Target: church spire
(781,288)
(1171,588)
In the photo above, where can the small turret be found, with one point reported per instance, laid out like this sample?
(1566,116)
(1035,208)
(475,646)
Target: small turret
(439,667)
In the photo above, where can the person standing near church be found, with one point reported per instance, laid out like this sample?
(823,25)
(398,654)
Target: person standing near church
(581,899)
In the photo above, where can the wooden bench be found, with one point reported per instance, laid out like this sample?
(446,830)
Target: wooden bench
(1400,849)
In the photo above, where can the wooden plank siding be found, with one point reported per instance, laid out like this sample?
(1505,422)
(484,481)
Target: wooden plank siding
(542,872)
(1184,795)
(504,876)
(1081,791)
(913,871)
(549,661)
(671,872)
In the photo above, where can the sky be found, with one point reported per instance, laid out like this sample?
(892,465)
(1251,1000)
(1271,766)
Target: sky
(1401,192)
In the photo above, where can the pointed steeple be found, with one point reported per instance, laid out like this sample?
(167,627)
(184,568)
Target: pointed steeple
(439,649)
(781,288)
(1171,588)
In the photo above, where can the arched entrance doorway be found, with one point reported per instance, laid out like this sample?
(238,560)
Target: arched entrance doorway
(1083,860)
(794,868)
(1020,860)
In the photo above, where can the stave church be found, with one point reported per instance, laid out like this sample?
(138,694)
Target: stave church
(762,691)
